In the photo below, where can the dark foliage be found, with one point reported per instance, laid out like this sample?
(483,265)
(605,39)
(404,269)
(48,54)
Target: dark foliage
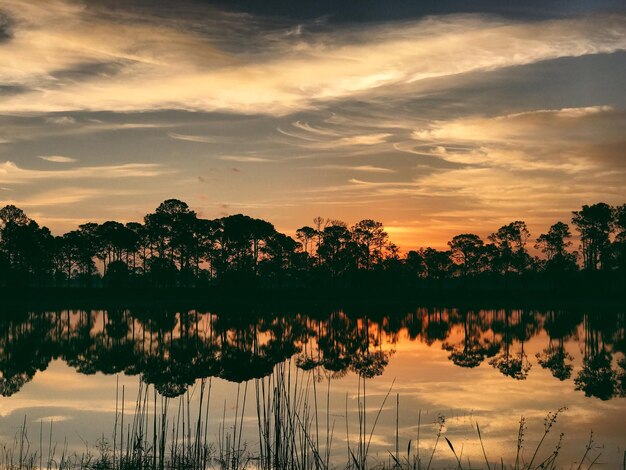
(172,348)
(173,248)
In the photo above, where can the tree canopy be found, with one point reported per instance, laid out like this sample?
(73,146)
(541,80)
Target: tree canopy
(174,247)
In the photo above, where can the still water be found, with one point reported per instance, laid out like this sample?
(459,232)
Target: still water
(64,374)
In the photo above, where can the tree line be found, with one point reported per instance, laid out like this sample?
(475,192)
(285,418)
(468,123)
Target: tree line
(173,247)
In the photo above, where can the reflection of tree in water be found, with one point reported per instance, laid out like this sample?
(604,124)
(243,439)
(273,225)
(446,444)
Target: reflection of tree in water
(562,325)
(25,348)
(285,338)
(556,360)
(437,326)
(242,357)
(472,349)
(520,328)
(414,325)
(172,350)
(333,343)
(621,376)
(597,377)
(554,357)
(77,341)
(364,361)
(370,364)
(515,366)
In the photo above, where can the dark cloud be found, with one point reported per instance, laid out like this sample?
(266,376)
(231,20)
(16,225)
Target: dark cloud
(6,32)
(338,11)
(6,90)
(89,69)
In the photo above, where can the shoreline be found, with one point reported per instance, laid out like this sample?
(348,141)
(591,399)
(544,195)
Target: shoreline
(297,297)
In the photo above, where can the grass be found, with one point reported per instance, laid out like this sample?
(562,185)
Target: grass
(295,431)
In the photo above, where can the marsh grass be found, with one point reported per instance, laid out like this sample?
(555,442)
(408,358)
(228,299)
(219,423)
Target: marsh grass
(295,431)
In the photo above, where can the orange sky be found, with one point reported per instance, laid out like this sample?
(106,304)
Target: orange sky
(433,124)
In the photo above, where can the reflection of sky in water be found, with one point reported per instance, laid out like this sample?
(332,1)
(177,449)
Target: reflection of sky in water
(82,407)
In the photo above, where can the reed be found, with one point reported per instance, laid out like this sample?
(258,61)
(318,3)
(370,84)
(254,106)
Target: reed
(295,430)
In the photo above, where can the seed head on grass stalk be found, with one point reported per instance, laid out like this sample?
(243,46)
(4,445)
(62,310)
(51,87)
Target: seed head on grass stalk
(441,420)
(548,423)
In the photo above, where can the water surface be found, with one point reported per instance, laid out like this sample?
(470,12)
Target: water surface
(68,369)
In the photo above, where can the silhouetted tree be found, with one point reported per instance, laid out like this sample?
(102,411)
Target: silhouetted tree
(279,251)
(415,264)
(619,245)
(438,263)
(510,241)
(371,239)
(466,250)
(307,235)
(175,247)
(595,225)
(240,241)
(25,248)
(117,274)
(337,250)
(554,245)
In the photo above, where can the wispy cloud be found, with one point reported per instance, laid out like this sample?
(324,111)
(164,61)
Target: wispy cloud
(61,120)
(67,195)
(195,138)
(307,136)
(363,168)
(245,159)
(33,128)
(525,165)
(548,140)
(57,197)
(150,66)
(57,159)
(13,174)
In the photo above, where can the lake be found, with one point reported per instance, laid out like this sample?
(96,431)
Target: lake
(83,381)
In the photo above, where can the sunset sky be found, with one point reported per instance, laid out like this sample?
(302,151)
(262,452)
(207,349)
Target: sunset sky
(431,118)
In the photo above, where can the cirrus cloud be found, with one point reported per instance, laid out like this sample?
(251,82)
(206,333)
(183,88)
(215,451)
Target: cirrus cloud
(127,65)
(57,159)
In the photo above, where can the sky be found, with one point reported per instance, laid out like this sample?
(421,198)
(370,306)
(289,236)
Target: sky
(435,118)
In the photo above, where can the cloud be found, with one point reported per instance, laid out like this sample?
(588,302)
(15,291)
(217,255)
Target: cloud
(518,127)
(54,418)
(550,140)
(535,165)
(245,159)
(13,174)
(61,120)
(57,159)
(372,139)
(129,65)
(308,136)
(56,197)
(29,128)
(69,195)
(364,168)
(195,138)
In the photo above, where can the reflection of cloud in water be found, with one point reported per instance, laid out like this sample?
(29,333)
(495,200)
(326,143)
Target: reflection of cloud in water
(426,377)
(53,419)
